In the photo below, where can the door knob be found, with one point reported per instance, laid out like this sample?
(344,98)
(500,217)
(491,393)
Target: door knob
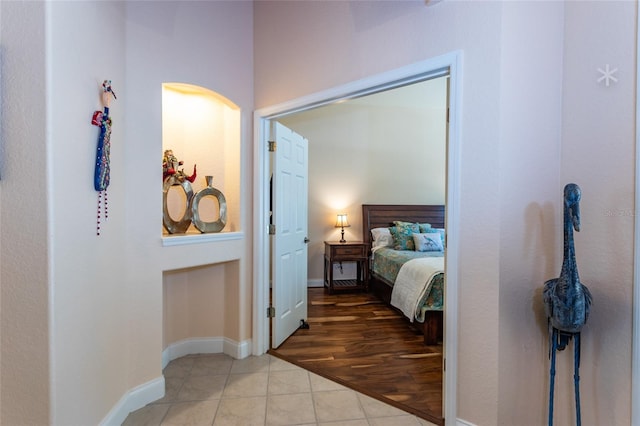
(306,240)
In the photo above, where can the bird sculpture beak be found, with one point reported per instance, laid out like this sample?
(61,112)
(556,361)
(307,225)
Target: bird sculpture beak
(575,216)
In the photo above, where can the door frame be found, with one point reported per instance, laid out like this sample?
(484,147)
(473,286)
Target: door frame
(449,62)
(635,331)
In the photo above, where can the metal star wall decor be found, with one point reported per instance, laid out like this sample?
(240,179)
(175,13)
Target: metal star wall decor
(607,75)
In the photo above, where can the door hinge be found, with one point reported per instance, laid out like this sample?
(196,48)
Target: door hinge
(272,229)
(271,312)
(444,364)
(447,114)
(272,146)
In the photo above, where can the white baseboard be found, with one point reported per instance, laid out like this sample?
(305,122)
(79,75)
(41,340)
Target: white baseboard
(315,283)
(142,395)
(206,345)
(134,399)
(460,422)
(237,350)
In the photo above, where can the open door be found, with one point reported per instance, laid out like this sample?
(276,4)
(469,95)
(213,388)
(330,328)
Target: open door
(289,261)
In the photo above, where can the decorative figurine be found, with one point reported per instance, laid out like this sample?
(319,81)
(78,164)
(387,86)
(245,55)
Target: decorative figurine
(567,302)
(102,170)
(170,166)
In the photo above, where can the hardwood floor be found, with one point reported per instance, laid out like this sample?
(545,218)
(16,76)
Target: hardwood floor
(357,340)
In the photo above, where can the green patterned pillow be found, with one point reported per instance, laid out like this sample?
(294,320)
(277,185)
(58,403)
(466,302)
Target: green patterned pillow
(402,234)
(425,227)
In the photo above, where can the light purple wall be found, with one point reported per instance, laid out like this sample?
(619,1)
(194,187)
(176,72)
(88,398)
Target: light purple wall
(598,153)
(94,304)
(513,164)
(532,117)
(530,133)
(24,252)
(338,42)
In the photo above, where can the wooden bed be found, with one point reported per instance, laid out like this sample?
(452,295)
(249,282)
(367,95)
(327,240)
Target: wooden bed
(383,215)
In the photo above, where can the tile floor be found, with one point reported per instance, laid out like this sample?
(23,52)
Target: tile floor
(216,389)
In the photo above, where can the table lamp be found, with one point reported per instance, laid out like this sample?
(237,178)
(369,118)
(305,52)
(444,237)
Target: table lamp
(342,223)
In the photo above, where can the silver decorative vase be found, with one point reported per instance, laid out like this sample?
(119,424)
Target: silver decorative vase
(176,226)
(207,227)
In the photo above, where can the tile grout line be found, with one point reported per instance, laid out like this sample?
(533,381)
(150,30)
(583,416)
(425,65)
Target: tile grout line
(266,399)
(313,399)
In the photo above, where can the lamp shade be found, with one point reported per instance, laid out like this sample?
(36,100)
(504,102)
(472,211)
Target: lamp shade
(342,221)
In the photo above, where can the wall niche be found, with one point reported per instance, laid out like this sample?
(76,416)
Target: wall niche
(202,129)
(200,310)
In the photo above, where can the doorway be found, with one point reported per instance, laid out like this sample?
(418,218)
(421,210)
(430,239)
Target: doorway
(446,64)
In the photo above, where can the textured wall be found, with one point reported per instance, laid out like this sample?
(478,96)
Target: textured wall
(24,243)
(530,133)
(533,117)
(89,348)
(598,153)
(110,332)
(360,39)
(81,315)
(209,44)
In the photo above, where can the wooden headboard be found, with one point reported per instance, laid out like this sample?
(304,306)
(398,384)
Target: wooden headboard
(383,215)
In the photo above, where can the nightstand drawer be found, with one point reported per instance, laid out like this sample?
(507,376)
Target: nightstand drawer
(348,251)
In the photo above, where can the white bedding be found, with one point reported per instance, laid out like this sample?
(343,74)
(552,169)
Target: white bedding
(413,282)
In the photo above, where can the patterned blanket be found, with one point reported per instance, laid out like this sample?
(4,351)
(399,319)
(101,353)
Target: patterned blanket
(413,285)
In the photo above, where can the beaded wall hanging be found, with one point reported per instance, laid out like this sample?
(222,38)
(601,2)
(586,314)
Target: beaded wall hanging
(102,170)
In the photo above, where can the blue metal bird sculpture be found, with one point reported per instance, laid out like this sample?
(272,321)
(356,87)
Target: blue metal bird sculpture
(567,301)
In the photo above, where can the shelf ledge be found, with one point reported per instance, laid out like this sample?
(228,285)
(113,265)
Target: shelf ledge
(186,239)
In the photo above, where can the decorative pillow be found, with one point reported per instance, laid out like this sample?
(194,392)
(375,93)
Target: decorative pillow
(442,233)
(428,242)
(381,238)
(425,227)
(403,235)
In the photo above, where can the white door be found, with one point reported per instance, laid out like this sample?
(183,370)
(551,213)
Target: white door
(289,261)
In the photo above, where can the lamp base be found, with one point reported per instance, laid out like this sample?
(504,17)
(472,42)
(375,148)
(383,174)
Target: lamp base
(342,240)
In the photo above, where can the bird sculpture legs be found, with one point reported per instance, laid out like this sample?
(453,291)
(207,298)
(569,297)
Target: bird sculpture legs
(556,335)
(576,375)
(552,372)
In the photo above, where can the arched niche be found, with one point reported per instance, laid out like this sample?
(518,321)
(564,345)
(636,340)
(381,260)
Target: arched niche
(202,128)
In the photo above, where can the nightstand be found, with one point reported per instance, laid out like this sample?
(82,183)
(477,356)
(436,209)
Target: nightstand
(351,251)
